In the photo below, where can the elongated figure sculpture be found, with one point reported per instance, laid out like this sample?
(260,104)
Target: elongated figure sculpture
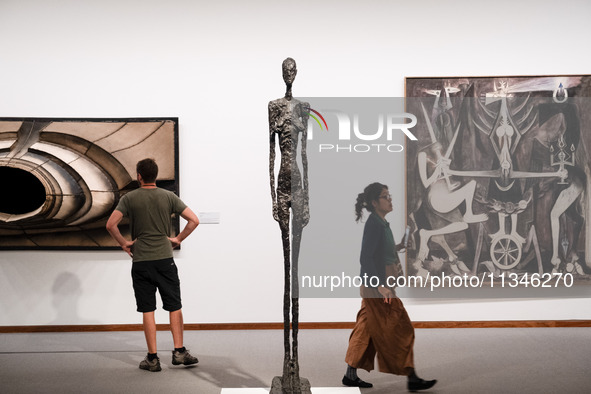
(288,121)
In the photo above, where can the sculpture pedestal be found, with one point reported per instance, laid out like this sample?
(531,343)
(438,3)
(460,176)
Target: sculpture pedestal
(277,388)
(315,390)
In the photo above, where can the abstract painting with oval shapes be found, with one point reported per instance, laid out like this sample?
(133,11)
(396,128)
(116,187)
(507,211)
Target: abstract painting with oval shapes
(62,178)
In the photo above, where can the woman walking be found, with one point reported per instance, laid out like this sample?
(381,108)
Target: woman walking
(382,325)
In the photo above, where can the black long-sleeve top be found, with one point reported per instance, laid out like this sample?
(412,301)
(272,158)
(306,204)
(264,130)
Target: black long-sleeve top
(377,249)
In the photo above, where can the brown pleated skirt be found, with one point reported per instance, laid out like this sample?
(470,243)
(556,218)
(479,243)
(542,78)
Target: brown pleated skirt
(384,329)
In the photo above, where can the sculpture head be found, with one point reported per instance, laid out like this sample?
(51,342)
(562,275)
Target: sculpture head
(289,71)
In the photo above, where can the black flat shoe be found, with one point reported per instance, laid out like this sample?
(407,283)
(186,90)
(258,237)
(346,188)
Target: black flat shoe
(421,385)
(356,383)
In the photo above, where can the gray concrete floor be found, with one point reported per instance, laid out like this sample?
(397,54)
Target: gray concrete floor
(501,360)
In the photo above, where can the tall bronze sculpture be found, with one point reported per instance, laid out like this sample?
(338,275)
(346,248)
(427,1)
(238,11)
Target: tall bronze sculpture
(288,120)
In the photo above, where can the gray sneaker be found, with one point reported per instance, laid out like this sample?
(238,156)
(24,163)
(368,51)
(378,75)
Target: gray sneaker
(152,366)
(184,358)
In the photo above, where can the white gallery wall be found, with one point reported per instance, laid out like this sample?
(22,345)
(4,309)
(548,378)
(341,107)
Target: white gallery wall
(215,66)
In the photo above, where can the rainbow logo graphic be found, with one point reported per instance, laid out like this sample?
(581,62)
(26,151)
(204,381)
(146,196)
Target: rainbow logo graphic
(317,120)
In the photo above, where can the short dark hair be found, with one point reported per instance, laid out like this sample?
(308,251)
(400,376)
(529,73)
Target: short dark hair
(148,169)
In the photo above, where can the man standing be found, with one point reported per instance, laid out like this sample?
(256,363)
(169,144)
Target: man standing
(149,210)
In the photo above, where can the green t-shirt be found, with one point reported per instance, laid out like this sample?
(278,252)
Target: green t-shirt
(149,212)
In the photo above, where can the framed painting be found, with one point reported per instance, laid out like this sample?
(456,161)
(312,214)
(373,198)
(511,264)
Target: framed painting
(62,178)
(498,181)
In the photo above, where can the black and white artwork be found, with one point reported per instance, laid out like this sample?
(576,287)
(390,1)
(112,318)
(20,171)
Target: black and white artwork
(63,177)
(499,179)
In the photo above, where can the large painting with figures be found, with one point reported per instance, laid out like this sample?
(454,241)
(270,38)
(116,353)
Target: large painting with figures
(499,179)
(63,177)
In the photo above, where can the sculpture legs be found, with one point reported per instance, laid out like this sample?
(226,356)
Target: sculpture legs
(290,382)
(286,301)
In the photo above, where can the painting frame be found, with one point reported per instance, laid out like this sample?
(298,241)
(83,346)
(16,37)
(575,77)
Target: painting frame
(83,166)
(445,108)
